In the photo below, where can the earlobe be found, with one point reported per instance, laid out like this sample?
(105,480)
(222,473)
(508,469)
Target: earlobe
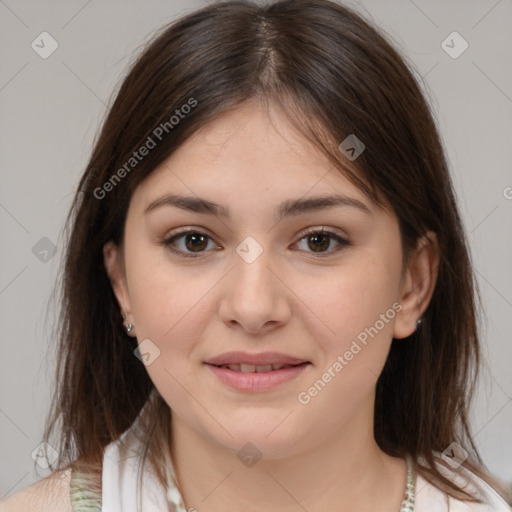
(112,258)
(418,285)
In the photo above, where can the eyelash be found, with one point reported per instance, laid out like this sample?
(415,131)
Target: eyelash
(171,239)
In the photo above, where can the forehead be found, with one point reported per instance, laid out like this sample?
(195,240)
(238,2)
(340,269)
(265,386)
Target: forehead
(243,156)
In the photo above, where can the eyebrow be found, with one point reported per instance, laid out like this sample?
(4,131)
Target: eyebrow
(288,208)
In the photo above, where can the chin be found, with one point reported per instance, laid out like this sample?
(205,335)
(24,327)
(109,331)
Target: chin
(265,441)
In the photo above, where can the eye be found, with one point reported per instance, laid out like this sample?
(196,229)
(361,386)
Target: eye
(193,240)
(319,240)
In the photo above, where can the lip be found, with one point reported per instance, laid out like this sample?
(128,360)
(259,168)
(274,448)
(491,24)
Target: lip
(258,381)
(262,359)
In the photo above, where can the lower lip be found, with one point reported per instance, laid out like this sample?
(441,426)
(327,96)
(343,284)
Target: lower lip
(256,381)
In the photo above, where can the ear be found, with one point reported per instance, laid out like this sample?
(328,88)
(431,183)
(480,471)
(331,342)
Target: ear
(113,260)
(418,284)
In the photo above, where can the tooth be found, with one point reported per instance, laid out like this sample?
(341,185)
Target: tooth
(250,368)
(264,368)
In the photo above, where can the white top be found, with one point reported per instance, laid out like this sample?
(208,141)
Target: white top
(120,484)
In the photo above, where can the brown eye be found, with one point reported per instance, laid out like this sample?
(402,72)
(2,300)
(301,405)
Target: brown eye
(320,241)
(191,243)
(196,242)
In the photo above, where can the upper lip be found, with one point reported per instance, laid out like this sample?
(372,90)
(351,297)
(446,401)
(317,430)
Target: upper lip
(262,359)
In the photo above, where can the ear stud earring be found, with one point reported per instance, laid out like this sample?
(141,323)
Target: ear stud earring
(419,322)
(128,327)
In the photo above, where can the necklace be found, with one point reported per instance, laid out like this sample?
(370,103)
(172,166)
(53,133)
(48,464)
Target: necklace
(176,501)
(408,501)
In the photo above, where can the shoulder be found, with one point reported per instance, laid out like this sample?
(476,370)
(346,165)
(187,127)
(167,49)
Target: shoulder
(491,500)
(429,495)
(50,493)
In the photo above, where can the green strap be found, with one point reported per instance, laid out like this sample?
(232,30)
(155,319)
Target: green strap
(83,498)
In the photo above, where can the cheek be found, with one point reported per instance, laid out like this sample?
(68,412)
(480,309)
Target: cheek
(171,308)
(349,312)
(353,327)
(351,298)
(169,303)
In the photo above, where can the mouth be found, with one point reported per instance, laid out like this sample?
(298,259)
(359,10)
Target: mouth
(256,378)
(251,368)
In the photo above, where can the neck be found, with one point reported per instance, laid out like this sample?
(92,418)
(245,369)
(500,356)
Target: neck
(343,472)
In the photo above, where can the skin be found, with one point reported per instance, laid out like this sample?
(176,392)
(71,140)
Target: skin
(319,456)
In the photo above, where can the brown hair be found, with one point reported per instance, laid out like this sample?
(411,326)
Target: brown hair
(333,75)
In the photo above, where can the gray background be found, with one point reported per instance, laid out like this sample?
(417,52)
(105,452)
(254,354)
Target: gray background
(51,109)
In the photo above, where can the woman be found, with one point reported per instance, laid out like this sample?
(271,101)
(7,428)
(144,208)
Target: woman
(268,297)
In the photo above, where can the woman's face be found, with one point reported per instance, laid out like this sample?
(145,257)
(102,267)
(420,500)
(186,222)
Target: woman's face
(254,281)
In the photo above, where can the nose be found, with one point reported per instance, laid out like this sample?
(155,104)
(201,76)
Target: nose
(255,297)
